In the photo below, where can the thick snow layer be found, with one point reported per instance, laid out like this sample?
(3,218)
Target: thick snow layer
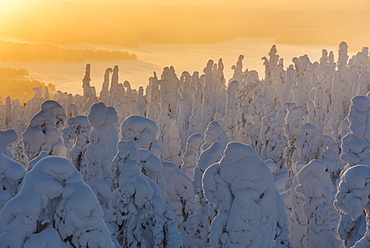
(356,143)
(137,213)
(79,129)
(143,131)
(180,192)
(54,206)
(103,142)
(44,131)
(311,205)
(11,174)
(8,137)
(352,197)
(242,189)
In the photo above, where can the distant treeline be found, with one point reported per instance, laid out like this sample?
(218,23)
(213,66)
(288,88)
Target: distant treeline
(39,51)
(18,84)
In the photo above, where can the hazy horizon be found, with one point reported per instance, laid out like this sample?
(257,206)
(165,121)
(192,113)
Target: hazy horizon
(129,23)
(199,30)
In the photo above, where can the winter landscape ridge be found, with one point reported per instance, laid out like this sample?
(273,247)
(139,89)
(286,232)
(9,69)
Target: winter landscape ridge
(195,160)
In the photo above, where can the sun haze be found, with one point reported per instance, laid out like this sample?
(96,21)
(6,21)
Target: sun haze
(131,22)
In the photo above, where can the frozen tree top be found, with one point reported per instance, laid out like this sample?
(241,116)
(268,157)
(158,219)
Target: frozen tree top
(352,197)
(143,131)
(8,136)
(194,142)
(214,132)
(54,207)
(52,112)
(101,114)
(237,154)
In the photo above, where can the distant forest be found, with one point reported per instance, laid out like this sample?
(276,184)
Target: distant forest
(18,84)
(40,51)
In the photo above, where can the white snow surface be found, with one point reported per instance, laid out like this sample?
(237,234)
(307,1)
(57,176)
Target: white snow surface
(137,212)
(143,131)
(352,197)
(242,189)
(55,207)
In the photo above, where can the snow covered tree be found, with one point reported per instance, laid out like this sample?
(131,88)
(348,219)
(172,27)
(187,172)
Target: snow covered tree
(180,192)
(89,91)
(99,153)
(242,189)
(232,118)
(355,145)
(152,167)
(352,198)
(153,98)
(54,208)
(103,142)
(306,145)
(44,131)
(11,172)
(213,133)
(198,225)
(104,93)
(292,125)
(189,161)
(143,131)
(170,85)
(137,212)
(168,136)
(311,205)
(191,154)
(8,137)
(79,130)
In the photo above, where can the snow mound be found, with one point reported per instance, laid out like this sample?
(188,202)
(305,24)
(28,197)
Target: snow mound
(54,206)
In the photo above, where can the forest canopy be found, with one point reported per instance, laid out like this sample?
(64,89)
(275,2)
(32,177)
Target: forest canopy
(39,51)
(18,84)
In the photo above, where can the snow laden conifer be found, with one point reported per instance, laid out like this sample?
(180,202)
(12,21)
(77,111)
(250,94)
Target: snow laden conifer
(306,145)
(191,154)
(232,118)
(292,125)
(213,133)
(272,138)
(170,85)
(11,172)
(143,131)
(44,131)
(8,138)
(311,207)
(100,151)
(241,187)
(153,98)
(152,167)
(180,192)
(137,212)
(356,143)
(104,93)
(54,208)
(352,199)
(198,224)
(78,131)
(103,141)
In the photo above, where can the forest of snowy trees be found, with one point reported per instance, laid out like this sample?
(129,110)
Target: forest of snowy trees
(193,160)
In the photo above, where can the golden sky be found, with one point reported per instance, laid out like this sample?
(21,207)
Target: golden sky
(131,22)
